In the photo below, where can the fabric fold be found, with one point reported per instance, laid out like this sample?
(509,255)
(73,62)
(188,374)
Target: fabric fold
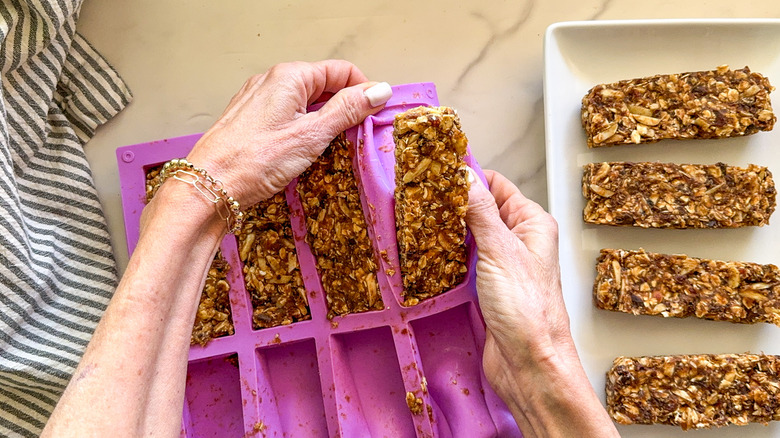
(57,271)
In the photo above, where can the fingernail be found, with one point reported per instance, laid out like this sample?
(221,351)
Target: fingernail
(378,94)
(473,177)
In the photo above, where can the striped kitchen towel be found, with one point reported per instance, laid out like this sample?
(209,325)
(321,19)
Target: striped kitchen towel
(57,271)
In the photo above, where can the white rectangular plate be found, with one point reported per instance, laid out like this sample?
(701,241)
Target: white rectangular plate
(579,55)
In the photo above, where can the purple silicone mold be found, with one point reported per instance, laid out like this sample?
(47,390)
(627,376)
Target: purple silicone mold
(348,376)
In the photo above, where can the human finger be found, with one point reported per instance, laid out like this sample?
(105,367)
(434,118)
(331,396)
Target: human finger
(527,219)
(514,207)
(494,239)
(329,77)
(345,109)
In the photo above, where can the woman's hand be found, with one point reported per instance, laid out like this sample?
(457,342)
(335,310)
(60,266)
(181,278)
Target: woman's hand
(529,358)
(265,137)
(131,379)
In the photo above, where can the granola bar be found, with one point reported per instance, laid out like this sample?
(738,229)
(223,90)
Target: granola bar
(696,391)
(665,195)
(431,198)
(152,182)
(337,232)
(272,273)
(706,104)
(645,283)
(213,318)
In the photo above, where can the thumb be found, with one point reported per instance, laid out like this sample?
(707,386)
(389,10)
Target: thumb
(493,237)
(348,108)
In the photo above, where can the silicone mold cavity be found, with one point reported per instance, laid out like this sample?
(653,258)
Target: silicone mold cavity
(348,376)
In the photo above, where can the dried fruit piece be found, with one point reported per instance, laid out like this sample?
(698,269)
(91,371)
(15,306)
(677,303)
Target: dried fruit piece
(706,104)
(213,318)
(665,195)
(272,273)
(695,391)
(337,232)
(644,283)
(431,198)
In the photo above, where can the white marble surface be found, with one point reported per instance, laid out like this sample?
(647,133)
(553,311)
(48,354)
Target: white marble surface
(183,60)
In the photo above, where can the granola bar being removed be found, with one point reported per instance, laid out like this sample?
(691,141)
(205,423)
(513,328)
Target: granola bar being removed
(431,198)
(706,104)
(337,232)
(696,391)
(645,283)
(666,195)
(272,273)
(213,318)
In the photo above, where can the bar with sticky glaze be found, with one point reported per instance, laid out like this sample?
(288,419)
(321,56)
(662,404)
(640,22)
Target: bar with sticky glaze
(272,273)
(646,283)
(213,318)
(667,195)
(337,232)
(431,198)
(694,391)
(717,103)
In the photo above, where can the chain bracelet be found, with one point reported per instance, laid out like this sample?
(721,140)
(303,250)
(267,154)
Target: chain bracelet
(227,208)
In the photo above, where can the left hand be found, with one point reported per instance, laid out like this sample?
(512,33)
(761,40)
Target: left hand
(265,137)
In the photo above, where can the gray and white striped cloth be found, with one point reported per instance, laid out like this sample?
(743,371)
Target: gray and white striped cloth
(57,271)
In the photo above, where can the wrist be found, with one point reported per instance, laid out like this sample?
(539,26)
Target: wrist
(178,208)
(553,397)
(212,189)
(179,228)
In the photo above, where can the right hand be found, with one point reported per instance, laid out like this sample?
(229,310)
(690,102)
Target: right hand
(529,358)
(518,278)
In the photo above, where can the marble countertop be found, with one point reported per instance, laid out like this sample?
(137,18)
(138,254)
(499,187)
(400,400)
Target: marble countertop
(183,61)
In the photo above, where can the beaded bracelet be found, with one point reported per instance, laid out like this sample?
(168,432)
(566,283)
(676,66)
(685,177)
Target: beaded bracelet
(227,208)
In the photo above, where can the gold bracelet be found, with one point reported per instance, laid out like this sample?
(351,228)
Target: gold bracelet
(227,208)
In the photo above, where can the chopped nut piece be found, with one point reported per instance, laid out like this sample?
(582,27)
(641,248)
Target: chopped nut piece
(338,233)
(431,197)
(696,391)
(213,318)
(272,273)
(706,104)
(415,404)
(643,283)
(663,195)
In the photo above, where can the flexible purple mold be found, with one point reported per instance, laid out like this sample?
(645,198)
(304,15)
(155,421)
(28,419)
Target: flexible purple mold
(348,376)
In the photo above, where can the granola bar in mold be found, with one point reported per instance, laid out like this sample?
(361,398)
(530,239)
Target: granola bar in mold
(431,187)
(401,371)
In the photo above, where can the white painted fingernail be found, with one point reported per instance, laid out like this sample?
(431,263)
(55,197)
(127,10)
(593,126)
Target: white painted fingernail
(473,177)
(378,94)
